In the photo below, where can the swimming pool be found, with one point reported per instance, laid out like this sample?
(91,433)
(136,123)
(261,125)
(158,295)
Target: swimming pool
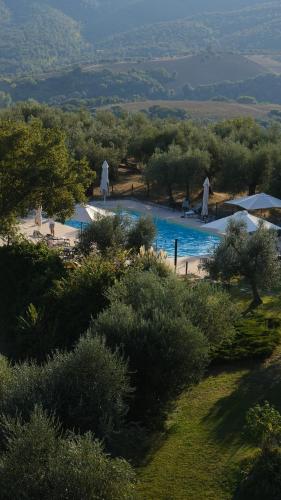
(191,241)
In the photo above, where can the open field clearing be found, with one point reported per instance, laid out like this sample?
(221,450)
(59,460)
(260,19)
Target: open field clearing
(207,109)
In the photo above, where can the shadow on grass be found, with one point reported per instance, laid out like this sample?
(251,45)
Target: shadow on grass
(227,416)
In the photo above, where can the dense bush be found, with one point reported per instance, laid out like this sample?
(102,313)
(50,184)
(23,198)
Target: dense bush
(263,477)
(27,274)
(87,388)
(117,231)
(142,233)
(38,461)
(253,339)
(80,296)
(104,233)
(158,324)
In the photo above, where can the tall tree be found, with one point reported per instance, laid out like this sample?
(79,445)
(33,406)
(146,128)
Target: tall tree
(37,169)
(194,165)
(164,169)
(253,257)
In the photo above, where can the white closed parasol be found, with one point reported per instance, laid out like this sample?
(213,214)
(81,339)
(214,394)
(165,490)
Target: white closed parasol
(104,185)
(205,204)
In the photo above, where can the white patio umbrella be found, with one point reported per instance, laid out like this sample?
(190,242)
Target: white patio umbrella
(252,223)
(205,206)
(259,201)
(38,217)
(104,185)
(88,213)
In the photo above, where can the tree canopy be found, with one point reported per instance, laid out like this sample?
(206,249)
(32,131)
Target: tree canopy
(251,256)
(36,169)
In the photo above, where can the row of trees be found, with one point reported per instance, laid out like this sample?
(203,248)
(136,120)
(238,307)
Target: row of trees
(238,155)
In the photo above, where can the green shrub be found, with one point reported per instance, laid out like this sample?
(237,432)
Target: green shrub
(166,329)
(253,339)
(75,299)
(141,234)
(27,272)
(87,388)
(263,423)
(104,233)
(117,231)
(164,353)
(39,462)
(262,479)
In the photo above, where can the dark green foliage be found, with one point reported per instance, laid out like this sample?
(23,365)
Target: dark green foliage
(39,462)
(36,169)
(104,233)
(44,306)
(80,296)
(262,88)
(252,256)
(263,424)
(142,233)
(64,88)
(117,231)
(27,273)
(246,99)
(263,477)
(167,346)
(87,388)
(253,339)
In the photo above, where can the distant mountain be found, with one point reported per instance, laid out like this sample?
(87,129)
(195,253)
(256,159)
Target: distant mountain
(247,29)
(38,35)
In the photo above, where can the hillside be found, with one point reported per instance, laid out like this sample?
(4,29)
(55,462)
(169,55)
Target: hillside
(204,68)
(126,81)
(251,28)
(36,35)
(264,88)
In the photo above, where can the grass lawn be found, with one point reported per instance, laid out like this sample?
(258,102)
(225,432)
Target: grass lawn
(200,454)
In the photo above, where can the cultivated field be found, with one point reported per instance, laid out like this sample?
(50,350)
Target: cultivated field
(207,109)
(195,69)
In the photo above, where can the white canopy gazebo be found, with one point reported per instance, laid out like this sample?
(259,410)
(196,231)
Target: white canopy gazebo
(252,223)
(259,201)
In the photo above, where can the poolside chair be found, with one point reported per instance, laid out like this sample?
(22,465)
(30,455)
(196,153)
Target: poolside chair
(37,234)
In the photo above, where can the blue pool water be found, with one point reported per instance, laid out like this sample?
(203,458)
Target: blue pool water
(190,241)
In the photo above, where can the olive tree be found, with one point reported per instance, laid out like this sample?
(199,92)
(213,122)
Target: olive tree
(251,256)
(39,461)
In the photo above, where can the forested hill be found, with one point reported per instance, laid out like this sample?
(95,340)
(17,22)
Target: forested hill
(37,35)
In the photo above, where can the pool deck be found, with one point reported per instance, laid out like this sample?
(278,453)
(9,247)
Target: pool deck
(170,215)
(151,209)
(27,227)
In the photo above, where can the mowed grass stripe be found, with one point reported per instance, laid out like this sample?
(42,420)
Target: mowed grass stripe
(199,455)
